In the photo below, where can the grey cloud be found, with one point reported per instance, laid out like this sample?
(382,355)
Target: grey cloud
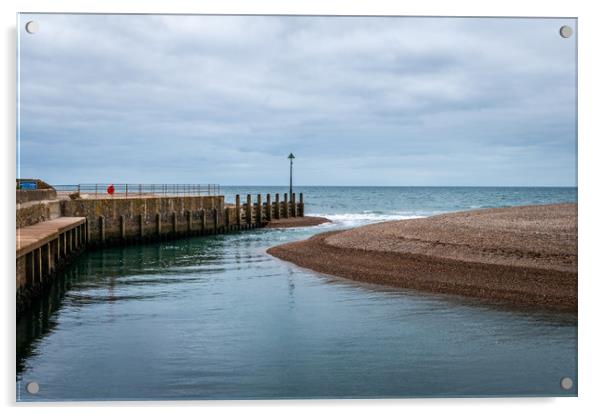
(359,100)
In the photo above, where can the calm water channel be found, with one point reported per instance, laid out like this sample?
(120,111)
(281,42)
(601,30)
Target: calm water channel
(216,317)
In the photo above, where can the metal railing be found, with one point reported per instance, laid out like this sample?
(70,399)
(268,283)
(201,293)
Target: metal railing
(127,190)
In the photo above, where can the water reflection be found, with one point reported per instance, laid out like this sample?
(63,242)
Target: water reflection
(97,276)
(218,318)
(291,288)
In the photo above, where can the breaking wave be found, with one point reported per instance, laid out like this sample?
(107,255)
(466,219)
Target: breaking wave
(365,218)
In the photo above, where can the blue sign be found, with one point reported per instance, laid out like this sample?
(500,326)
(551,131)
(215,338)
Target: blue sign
(28,185)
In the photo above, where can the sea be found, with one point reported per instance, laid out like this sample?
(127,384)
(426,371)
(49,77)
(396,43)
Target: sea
(216,317)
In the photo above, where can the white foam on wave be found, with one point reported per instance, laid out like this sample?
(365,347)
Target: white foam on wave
(358,219)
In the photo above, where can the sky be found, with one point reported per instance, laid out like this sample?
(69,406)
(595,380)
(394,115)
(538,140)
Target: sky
(365,101)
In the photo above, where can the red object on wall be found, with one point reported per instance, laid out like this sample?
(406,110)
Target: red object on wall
(110,189)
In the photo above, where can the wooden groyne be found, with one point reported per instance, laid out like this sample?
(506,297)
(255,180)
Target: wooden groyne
(44,247)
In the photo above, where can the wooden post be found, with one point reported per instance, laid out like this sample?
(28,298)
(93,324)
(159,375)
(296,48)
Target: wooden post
(122,226)
(301,205)
(46,258)
(277,210)
(215,220)
(203,221)
(30,273)
(293,205)
(249,212)
(51,258)
(189,220)
(34,267)
(174,222)
(87,231)
(64,244)
(37,266)
(101,225)
(57,250)
(258,215)
(140,226)
(238,211)
(286,205)
(40,264)
(227,218)
(268,207)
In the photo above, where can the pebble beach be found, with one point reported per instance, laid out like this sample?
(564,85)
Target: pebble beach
(524,255)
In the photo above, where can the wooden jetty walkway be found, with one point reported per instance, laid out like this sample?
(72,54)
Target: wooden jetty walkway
(44,245)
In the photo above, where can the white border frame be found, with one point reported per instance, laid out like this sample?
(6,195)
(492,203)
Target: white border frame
(590,32)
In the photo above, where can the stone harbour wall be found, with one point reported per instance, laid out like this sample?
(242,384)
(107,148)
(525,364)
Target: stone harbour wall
(33,213)
(119,220)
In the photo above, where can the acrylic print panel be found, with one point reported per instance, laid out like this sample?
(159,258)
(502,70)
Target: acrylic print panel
(234,207)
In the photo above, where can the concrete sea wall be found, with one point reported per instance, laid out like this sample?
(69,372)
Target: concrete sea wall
(34,212)
(24,196)
(114,221)
(111,221)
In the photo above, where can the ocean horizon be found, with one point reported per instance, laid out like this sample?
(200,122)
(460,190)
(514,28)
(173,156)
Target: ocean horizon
(357,205)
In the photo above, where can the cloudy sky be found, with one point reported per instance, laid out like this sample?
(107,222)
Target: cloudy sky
(360,101)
